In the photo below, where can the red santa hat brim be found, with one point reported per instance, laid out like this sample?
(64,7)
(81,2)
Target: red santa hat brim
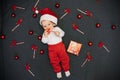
(48,17)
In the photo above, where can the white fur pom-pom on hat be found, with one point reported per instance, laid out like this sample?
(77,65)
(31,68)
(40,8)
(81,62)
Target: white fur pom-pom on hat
(48,14)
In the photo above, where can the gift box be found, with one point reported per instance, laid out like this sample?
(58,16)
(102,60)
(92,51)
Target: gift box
(74,47)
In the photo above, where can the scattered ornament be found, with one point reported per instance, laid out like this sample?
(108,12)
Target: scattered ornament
(87,13)
(79,16)
(19,21)
(113,27)
(36,3)
(67,11)
(34,15)
(101,44)
(14,7)
(39,37)
(35,10)
(98,25)
(75,27)
(90,43)
(2,36)
(34,48)
(27,68)
(88,58)
(30,32)
(16,57)
(57,5)
(13,15)
(15,43)
(41,52)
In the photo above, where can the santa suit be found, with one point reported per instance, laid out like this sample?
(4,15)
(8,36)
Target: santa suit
(57,52)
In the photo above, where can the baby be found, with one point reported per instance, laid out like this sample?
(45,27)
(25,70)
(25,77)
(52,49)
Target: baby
(52,36)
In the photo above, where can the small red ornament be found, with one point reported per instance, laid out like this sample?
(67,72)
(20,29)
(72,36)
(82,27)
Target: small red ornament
(34,15)
(14,43)
(75,27)
(19,21)
(13,15)
(27,68)
(34,48)
(101,44)
(57,5)
(14,7)
(79,16)
(88,58)
(67,11)
(87,13)
(2,36)
(90,43)
(98,25)
(31,32)
(39,37)
(113,27)
(41,51)
(16,57)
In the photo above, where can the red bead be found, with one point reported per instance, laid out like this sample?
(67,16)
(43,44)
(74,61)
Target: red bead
(41,51)
(79,16)
(34,15)
(31,32)
(57,5)
(113,27)
(16,57)
(39,37)
(13,15)
(2,36)
(90,43)
(98,25)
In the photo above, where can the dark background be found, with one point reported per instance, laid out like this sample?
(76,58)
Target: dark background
(104,65)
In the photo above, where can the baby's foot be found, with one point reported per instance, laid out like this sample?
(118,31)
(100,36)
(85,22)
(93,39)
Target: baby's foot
(67,73)
(59,75)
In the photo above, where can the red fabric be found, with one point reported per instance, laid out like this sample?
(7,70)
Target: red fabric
(58,57)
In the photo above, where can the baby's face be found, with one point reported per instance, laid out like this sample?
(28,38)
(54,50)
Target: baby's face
(47,25)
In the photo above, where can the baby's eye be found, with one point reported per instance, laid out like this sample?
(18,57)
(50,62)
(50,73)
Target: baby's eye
(44,26)
(48,24)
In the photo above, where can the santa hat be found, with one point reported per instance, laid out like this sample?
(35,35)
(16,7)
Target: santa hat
(48,14)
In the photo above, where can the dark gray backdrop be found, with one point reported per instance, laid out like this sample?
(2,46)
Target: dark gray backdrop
(104,65)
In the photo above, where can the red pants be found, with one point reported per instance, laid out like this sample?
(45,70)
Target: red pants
(58,57)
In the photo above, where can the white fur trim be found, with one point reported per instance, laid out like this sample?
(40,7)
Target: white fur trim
(48,17)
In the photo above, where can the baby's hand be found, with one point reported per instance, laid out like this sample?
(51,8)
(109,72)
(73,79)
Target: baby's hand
(57,33)
(45,33)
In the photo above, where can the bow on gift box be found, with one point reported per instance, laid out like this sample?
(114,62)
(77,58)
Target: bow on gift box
(27,68)
(88,58)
